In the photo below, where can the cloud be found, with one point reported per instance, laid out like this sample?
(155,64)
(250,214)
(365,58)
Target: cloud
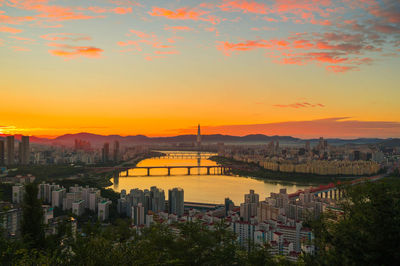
(152,41)
(117,10)
(69,51)
(183,14)
(228,47)
(66,36)
(10,30)
(337,48)
(51,12)
(15,20)
(244,6)
(142,34)
(300,105)
(20,49)
(340,69)
(178,28)
(343,127)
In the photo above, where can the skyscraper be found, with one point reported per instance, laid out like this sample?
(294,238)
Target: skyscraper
(198,136)
(138,214)
(175,201)
(106,152)
(116,151)
(10,150)
(24,151)
(1,153)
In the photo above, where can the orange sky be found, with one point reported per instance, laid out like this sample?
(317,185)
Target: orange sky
(302,68)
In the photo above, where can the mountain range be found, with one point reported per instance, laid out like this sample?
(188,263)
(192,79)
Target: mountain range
(97,140)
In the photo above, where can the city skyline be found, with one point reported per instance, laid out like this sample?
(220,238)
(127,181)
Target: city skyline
(302,68)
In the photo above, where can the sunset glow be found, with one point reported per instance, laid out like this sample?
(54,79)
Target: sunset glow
(303,68)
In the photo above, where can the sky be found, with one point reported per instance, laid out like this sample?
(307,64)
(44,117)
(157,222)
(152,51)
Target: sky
(305,68)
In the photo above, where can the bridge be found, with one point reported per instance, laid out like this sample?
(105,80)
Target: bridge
(332,190)
(185,156)
(217,169)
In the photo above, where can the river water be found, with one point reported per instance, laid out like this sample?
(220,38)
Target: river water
(198,187)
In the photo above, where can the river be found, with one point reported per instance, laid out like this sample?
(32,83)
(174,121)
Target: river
(198,187)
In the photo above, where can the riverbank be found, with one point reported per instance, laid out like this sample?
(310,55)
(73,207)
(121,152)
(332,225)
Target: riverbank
(255,171)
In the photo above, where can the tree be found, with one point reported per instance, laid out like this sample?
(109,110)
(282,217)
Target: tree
(368,230)
(32,218)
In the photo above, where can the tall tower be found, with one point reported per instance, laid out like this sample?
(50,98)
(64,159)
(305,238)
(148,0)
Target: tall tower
(10,150)
(116,151)
(198,136)
(106,152)
(24,153)
(2,152)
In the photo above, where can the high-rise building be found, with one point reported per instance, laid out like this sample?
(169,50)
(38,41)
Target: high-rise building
(103,210)
(57,197)
(228,205)
(2,153)
(157,199)
(106,152)
(198,136)
(251,197)
(248,209)
(116,151)
(24,151)
(78,207)
(17,193)
(175,201)
(138,214)
(10,150)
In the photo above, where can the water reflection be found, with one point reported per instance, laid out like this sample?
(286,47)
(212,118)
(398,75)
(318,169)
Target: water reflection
(198,187)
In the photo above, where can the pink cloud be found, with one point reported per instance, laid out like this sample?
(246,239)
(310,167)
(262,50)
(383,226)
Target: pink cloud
(340,69)
(66,36)
(10,30)
(22,38)
(117,10)
(142,34)
(51,12)
(122,10)
(15,20)
(178,28)
(300,105)
(69,51)
(183,14)
(244,6)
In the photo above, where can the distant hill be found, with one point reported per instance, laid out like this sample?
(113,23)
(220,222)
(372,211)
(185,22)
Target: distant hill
(96,140)
(390,143)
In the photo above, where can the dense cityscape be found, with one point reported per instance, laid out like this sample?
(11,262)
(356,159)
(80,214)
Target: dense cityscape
(213,132)
(280,222)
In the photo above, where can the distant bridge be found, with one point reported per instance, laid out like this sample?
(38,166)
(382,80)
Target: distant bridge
(185,156)
(217,170)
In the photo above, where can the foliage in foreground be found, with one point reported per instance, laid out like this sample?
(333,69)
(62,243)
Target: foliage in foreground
(368,230)
(188,244)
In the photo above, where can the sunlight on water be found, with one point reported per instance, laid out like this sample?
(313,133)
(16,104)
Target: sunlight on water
(198,187)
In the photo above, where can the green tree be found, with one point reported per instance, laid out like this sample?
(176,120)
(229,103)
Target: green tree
(367,232)
(32,218)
